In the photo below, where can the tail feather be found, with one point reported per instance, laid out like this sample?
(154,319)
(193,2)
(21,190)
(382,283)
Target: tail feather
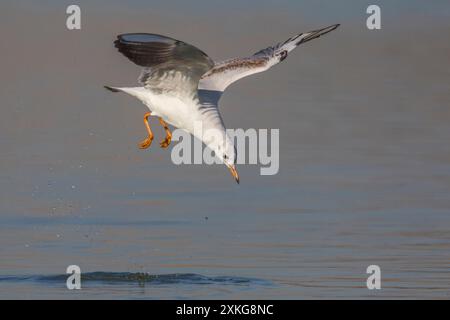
(112,89)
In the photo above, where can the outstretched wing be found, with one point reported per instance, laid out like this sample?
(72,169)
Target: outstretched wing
(226,72)
(170,66)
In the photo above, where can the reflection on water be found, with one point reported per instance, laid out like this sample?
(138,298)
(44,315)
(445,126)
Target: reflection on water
(364,158)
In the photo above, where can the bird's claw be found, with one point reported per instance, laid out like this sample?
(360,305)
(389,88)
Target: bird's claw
(165,143)
(145,143)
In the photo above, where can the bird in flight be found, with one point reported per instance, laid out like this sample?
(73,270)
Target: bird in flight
(181,85)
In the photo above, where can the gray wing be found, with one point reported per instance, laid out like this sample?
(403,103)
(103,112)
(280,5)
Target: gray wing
(170,66)
(226,72)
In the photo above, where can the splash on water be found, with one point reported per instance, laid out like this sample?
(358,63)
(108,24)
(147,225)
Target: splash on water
(140,278)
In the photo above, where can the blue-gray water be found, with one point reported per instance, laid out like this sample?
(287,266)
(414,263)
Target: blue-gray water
(364,157)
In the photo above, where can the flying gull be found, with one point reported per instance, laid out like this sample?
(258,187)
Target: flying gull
(181,85)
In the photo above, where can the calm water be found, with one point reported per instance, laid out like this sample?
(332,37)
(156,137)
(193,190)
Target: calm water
(364,157)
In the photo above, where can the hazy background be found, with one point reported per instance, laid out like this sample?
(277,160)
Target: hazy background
(364,175)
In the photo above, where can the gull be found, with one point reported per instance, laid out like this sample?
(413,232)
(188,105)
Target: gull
(181,85)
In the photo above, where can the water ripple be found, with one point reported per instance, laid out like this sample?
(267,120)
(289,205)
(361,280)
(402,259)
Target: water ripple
(140,278)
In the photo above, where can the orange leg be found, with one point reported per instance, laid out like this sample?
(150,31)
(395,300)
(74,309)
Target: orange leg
(147,141)
(165,143)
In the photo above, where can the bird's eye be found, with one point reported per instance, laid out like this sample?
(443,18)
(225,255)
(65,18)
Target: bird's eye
(225,157)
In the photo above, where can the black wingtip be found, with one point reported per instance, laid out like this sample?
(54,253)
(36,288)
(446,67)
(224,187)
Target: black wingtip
(337,25)
(318,33)
(329,28)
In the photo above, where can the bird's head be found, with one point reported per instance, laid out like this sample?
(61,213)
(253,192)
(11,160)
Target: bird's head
(225,150)
(229,159)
